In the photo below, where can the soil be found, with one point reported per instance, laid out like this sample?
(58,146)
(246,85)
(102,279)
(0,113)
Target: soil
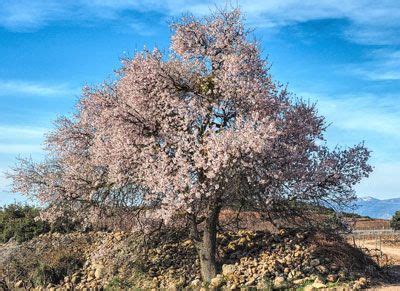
(393,253)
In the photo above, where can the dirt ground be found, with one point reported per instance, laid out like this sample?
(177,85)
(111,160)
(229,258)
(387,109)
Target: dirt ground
(393,255)
(390,250)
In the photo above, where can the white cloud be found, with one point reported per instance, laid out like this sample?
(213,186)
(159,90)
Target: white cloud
(379,115)
(4,182)
(20,148)
(23,15)
(374,118)
(142,29)
(15,132)
(371,22)
(383,65)
(16,140)
(383,182)
(6,196)
(13,87)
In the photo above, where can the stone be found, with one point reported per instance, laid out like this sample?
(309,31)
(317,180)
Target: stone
(75,279)
(217,281)
(318,280)
(118,236)
(242,241)
(318,285)
(172,286)
(195,283)
(251,282)
(294,275)
(322,269)
(314,262)
(231,246)
(187,243)
(299,281)
(228,270)
(279,282)
(19,284)
(331,278)
(334,267)
(361,283)
(99,272)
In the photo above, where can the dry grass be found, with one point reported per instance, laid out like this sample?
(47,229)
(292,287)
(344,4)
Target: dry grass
(44,260)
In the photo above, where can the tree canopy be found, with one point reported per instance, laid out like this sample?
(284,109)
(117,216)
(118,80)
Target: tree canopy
(395,221)
(189,132)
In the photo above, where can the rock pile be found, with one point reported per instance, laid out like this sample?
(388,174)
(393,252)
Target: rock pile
(287,260)
(249,258)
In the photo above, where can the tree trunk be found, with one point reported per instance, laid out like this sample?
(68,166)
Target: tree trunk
(208,246)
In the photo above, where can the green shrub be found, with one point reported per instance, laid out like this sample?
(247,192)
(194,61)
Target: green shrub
(18,221)
(117,283)
(45,261)
(395,221)
(53,270)
(64,224)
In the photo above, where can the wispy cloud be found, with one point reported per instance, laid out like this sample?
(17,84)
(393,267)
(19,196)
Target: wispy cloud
(6,196)
(142,28)
(379,115)
(27,15)
(17,149)
(382,183)
(26,132)
(14,87)
(3,181)
(24,140)
(371,22)
(375,119)
(382,65)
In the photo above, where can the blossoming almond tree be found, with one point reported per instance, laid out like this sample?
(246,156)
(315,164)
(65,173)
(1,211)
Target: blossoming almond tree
(188,134)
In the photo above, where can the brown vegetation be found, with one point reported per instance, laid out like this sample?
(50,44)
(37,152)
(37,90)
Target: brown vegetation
(245,258)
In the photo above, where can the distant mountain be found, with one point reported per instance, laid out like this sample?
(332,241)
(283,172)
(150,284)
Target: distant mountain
(377,208)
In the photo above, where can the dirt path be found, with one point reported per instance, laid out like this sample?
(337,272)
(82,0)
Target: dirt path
(393,253)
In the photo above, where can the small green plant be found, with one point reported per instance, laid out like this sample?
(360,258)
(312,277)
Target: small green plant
(42,275)
(55,268)
(39,267)
(268,284)
(18,221)
(118,283)
(64,224)
(304,285)
(395,221)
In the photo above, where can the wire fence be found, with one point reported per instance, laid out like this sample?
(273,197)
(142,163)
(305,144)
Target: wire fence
(371,241)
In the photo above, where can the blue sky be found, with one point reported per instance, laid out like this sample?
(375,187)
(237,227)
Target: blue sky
(343,54)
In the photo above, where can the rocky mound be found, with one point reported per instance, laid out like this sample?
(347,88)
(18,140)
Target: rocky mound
(123,260)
